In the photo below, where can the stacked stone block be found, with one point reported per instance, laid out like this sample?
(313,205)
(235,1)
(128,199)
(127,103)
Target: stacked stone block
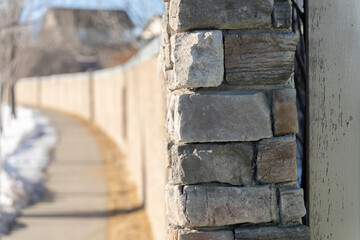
(232,120)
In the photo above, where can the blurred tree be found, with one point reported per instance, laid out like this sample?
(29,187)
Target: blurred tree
(10,38)
(10,11)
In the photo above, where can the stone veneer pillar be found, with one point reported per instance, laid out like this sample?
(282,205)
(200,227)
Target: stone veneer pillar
(232,120)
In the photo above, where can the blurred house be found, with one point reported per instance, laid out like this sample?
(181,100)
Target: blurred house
(76,40)
(101,38)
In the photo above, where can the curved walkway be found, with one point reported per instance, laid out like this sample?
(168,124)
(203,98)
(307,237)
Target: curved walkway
(75,206)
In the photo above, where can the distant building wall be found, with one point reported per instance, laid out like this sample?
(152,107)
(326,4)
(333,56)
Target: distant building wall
(127,103)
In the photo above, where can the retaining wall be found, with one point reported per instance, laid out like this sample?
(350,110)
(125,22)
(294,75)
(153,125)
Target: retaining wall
(127,103)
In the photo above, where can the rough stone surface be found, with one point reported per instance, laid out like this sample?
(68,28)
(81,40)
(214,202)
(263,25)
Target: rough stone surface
(170,78)
(176,205)
(282,14)
(259,58)
(287,185)
(198,59)
(167,54)
(220,14)
(180,234)
(221,117)
(284,112)
(201,205)
(161,60)
(292,205)
(172,234)
(276,160)
(166,30)
(170,102)
(205,163)
(300,232)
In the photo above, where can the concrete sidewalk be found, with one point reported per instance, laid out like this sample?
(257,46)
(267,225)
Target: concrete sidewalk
(75,207)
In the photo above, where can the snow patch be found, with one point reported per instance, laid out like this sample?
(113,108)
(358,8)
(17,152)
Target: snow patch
(26,145)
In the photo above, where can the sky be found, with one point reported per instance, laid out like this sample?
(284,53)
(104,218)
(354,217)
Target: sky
(140,11)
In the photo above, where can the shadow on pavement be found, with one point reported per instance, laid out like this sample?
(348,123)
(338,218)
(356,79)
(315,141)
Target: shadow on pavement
(85,214)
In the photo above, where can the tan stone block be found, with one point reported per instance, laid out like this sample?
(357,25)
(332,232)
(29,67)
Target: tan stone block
(173,234)
(284,112)
(276,160)
(292,206)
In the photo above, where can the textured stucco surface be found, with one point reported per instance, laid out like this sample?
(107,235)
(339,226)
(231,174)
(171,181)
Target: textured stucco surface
(334,36)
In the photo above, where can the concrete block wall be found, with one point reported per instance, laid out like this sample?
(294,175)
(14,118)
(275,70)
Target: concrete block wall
(231,120)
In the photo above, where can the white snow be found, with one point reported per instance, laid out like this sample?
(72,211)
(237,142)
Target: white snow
(26,144)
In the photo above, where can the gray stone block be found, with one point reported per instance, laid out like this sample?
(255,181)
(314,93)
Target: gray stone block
(201,205)
(276,160)
(181,234)
(300,232)
(198,59)
(221,117)
(284,112)
(259,58)
(282,14)
(292,205)
(205,163)
(220,14)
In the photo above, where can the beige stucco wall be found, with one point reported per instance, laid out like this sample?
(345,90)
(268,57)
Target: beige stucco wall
(128,105)
(29,92)
(108,110)
(334,113)
(67,93)
(145,96)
